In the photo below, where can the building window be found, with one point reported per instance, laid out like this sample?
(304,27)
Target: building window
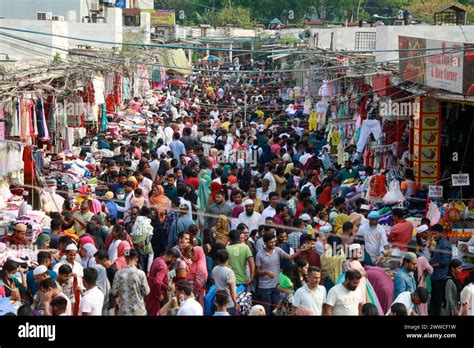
(365,41)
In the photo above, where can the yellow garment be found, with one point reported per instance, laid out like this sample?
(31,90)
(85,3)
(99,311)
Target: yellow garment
(335,138)
(289,168)
(340,153)
(338,222)
(222,234)
(309,230)
(259,113)
(209,90)
(268,122)
(225,125)
(313,121)
(331,266)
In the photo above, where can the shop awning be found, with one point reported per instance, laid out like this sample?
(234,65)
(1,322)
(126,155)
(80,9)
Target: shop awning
(131,11)
(175,60)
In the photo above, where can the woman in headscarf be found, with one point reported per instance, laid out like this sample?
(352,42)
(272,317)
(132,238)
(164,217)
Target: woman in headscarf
(356,219)
(338,222)
(159,200)
(87,252)
(96,206)
(221,230)
(42,242)
(204,192)
(103,284)
(332,261)
(134,180)
(197,272)
(120,262)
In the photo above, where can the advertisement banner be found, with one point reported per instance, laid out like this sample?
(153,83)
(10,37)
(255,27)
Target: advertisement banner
(445,71)
(163,17)
(438,64)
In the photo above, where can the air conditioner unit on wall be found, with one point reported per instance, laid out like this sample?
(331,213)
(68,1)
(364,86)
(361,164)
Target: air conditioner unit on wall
(49,16)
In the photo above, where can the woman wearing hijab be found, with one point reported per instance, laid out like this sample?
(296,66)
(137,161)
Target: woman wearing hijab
(159,200)
(197,272)
(332,261)
(356,219)
(221,230)
(42,242)
(103,284)
(87,252)
(452,290)
(121,262)
(204,192)
(338,222)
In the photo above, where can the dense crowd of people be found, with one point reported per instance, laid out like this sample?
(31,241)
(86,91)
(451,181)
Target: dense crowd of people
(229,205)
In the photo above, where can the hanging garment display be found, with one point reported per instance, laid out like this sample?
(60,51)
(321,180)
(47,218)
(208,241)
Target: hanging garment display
(10,153)
(98,85)
(313,121)
(368,127)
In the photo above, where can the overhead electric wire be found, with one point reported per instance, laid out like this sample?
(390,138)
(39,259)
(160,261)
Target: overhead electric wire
(198,48)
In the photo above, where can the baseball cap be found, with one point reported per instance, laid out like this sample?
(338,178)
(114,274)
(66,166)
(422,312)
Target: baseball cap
(40,270)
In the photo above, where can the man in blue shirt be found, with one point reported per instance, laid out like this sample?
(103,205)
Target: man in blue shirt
(177,147)
(44,258)
(439,261)
(404,279)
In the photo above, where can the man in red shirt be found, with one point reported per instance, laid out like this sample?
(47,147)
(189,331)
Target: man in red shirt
(309,253)
(402,230)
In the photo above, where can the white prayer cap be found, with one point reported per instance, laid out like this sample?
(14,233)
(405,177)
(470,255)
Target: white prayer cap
(248,202)
(71,247)
(40,270)
(305,217)
(422,228)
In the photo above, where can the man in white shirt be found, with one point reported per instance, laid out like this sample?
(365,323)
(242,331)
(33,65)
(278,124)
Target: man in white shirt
(207,141)
(374,235)
(411,300)
(77,269)
(269,176)
(270,210)
(264,191)
(188,306)
(310,295)
(311,185)
(145,183)
(250,217)
(93,299)
(168,135)
(154,165)
(345,298)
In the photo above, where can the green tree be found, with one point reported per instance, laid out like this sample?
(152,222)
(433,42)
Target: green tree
(235,15)
(425,9)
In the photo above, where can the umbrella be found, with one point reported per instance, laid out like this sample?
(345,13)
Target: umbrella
(179,83)
(210,58)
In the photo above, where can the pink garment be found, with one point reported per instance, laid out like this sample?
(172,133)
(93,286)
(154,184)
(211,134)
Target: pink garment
(275,148)
(96,207)
(423,265)
(120,262)
(197,273)
(86,239)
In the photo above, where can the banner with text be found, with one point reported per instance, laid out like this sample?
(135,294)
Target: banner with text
(439,64)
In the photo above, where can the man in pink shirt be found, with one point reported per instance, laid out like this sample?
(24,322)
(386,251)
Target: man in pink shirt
(402,230)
